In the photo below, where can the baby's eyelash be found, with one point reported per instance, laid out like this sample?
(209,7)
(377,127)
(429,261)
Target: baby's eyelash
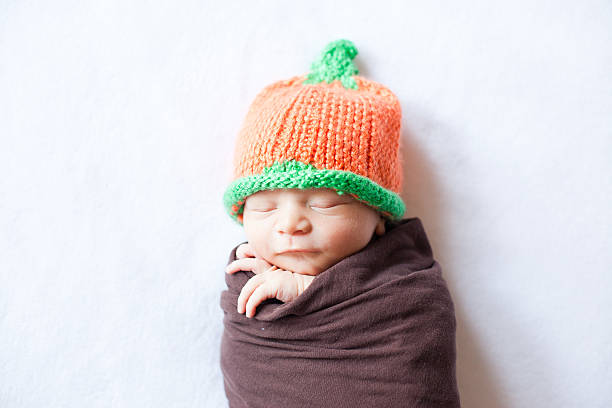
(325,205)
(314,205)
(263,209)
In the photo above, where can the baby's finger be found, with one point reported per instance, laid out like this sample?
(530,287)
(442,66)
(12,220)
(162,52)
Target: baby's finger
(255,265)
(245,264)
(246,292)
(261,293)
(245,250)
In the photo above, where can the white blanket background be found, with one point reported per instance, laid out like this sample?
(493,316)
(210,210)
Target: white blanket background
(117,125)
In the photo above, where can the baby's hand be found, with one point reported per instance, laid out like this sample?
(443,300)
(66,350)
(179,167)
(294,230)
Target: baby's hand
(269,281)
(245,250)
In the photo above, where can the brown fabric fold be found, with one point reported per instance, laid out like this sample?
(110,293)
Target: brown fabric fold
(377,329)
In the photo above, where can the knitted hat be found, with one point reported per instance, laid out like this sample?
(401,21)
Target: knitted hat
(328,129)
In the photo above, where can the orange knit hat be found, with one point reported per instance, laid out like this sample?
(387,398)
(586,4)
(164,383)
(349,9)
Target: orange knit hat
(328,129)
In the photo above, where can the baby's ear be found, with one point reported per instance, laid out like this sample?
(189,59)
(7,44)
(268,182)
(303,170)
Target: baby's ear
(380,227)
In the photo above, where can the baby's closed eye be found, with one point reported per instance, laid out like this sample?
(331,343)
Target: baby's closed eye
(325,205)
(263,209)
(269,208)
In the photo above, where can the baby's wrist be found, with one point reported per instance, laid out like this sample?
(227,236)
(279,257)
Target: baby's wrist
(303,281)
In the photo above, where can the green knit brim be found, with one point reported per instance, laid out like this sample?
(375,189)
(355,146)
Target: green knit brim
(295,174)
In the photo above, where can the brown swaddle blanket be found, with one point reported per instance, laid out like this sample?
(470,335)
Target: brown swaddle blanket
(377,329)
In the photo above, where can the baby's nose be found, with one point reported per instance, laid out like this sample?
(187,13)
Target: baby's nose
(293,222)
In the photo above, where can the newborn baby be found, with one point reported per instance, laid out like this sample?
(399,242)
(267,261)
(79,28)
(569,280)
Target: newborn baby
(293,235)
(335,300)
(353,309)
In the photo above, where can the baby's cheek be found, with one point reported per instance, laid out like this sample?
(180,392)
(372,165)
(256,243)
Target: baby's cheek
(344,231)
(349,238)
(265,252)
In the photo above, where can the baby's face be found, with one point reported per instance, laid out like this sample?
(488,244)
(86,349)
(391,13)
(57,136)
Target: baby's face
(322,226)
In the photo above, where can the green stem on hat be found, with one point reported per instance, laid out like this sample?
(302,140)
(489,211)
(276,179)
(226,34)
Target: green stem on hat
(335,62)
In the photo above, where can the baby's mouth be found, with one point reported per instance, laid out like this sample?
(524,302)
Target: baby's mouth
(296,251)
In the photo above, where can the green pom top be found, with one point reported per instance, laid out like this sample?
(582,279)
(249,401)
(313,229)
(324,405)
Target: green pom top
(335,62)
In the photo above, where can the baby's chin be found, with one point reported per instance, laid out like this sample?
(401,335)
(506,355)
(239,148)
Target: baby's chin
(298,264)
